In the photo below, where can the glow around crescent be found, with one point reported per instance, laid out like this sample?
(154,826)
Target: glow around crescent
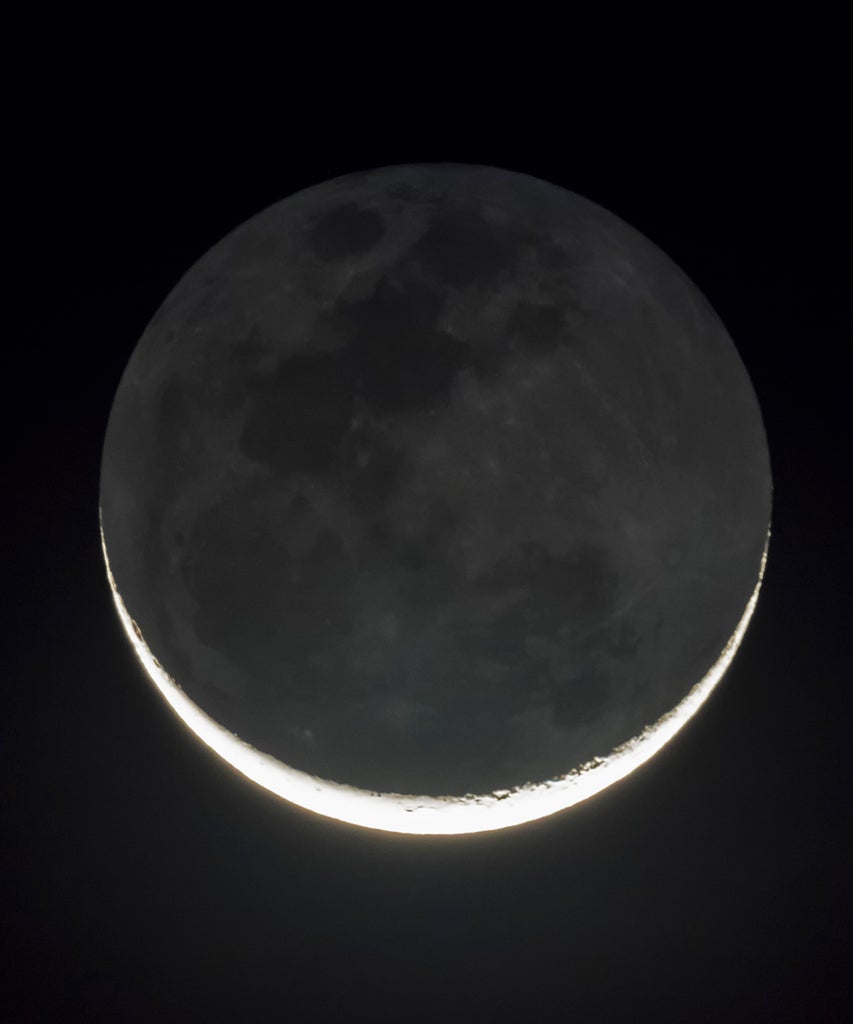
(425,815)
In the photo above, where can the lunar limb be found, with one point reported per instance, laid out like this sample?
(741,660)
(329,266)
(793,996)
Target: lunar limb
(426,815)
(435,480)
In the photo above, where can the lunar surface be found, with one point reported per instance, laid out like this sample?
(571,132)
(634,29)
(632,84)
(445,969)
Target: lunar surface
(435,498)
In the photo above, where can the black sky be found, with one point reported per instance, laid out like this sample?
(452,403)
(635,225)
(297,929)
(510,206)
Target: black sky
(145,880)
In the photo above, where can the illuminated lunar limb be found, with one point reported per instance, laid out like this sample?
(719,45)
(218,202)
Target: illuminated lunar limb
(430,815)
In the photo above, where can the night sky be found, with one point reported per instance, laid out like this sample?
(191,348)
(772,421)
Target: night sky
(144,879)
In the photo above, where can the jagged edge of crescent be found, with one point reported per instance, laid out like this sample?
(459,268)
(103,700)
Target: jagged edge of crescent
(427,815)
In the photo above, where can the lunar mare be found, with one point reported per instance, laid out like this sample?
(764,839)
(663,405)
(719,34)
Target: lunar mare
(429,815)
(435,480)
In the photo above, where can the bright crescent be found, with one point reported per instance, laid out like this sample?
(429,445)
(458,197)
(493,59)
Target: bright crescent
(427,815)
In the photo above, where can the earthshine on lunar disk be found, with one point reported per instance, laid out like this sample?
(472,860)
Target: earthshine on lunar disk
(435,499)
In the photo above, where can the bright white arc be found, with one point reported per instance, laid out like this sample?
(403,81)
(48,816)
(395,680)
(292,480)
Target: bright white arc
(425,815)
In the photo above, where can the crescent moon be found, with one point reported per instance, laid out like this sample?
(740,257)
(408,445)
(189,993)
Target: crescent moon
(425,815)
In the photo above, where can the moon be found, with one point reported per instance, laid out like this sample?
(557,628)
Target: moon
(435,498)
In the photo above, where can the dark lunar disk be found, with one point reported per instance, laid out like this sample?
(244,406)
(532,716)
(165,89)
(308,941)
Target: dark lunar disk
(437,480)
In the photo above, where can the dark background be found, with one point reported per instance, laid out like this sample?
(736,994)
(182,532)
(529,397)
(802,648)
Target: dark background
(143,879)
